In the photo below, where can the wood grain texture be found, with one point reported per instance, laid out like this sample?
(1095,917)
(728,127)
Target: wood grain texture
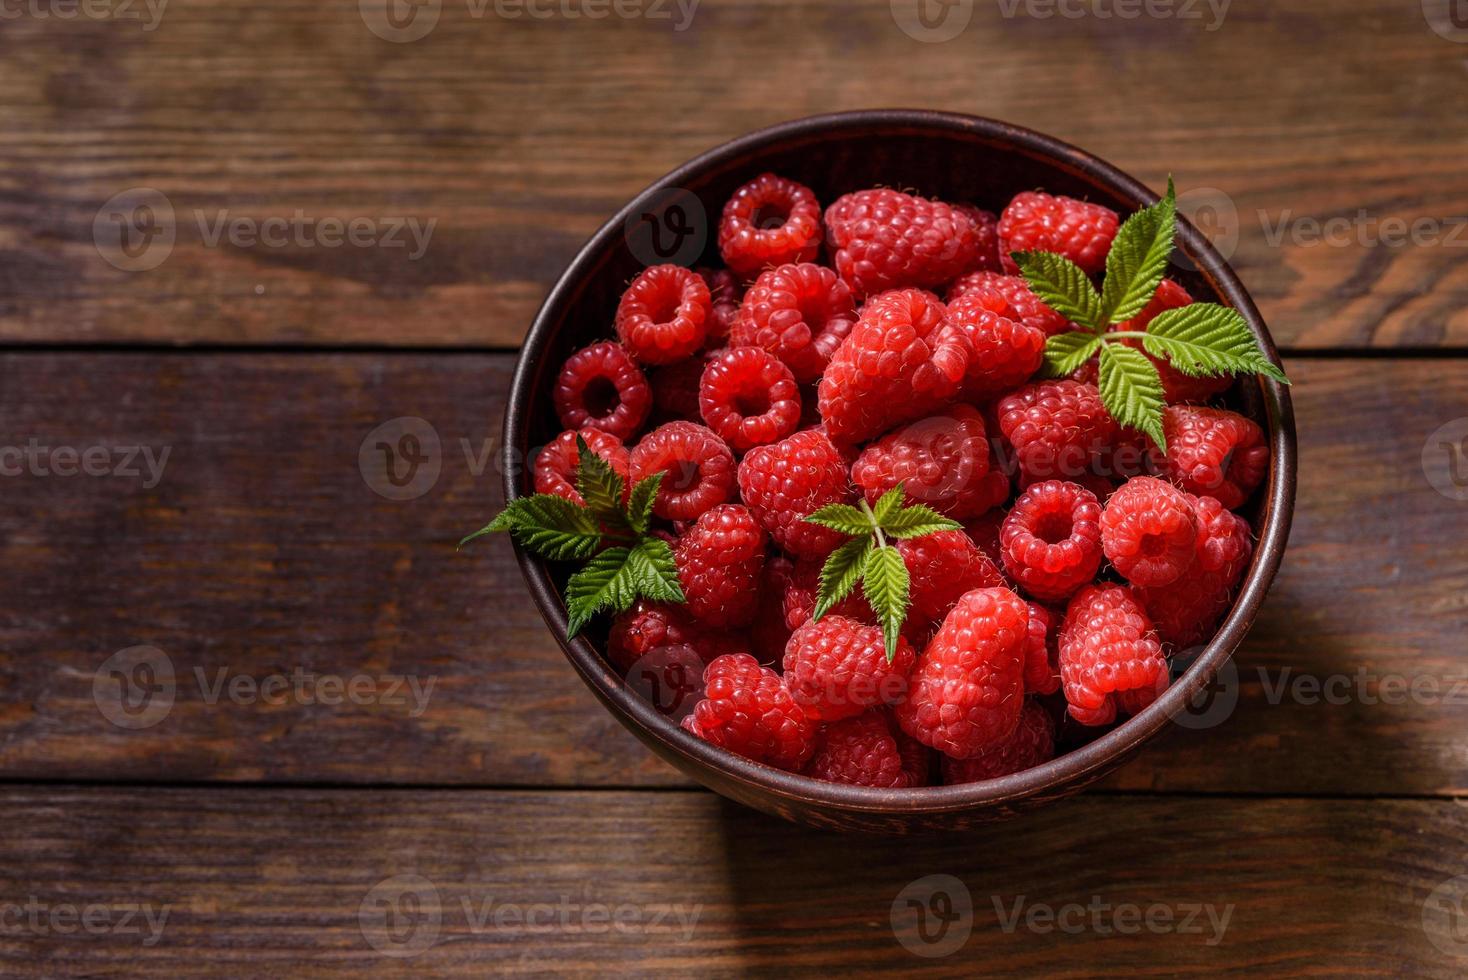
(262,552)
(519,135)
(1299,887)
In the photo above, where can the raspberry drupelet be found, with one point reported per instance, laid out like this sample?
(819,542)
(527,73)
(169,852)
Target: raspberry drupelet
(556,465)
(1110,656)
(769,221)
(1004,350)
(884,239)
(941,567)
(1024,305)
(785,482)
(650,626)
(698,468)
(724,296)
(1057,429)
(1039,222)
(1042,670)
(748,398)
(1185,611)
(664,314)
(600,387)
(941,462)
(838,668)
(1149,531)
(720,561)
(1051,539)
(862,751)
(800,313)
(748,710)
(1212,452)
(986,237)
(1031,743)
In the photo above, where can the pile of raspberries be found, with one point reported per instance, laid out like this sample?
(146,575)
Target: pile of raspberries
(886,339)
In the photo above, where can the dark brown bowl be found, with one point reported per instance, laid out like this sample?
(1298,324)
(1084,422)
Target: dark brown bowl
(953,157)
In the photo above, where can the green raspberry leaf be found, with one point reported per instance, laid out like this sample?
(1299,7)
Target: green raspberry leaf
(916,521)
(550,526)
(1065,352)
(1137,259)
(1208,339)
(599,485)
(1062,285)
(840,573)
(654,571)
(888,504)
(843,518)
(1131,390)
(605,583)
(639,506)
(885,582)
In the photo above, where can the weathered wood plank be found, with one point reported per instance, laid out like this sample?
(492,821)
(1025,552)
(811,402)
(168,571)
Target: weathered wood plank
(519,135)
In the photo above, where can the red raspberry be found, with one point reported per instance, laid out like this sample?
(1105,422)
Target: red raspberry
(1024,305)
(600,387)
(556,465)
(1037,222)
(800,313)
(985,532)
(903,360)
(769,221)
(1042,673)
(785,482)
(1186,611)
(1109,654)
(1032,743)
(1051,540)
(650,626)
(699,468)
(800,597)
(967,690)
(749,398)
(1212,452)
(838,668)
(663,316)
(719,564)
(1005,351)
(860,751)
(768,633)
(748,710)
(1148,531)
(986,232)
(942,567)
(675,388)
(917,758)
(724,294)
(941,461)
(1057,429)
(1176,386)
(885,239)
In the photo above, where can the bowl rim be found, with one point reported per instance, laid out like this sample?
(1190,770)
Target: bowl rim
(1070,769)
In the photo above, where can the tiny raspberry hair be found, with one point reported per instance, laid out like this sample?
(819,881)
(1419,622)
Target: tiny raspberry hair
(884,239)
(1149,531)
(748,710)
(1186,611)
(800,313)
(1110,656)
(749,398)
(698,465)
(1057,429)
(986,236)
(1004,350)
(769,221)
(966,693)
(724,296)
(942,567)
(941,462)
(600,387)
(556,465)
(1039,222)
(860,751)
(1042,671)
(1024,305)
(1051,539)
(720,561)
(664,314)
(651,626)
(1212,452)
(787,481)
(1031,743)
(838,668)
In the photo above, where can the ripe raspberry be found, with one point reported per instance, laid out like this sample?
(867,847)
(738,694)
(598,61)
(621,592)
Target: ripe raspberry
(719,564)
(860,751)
(800,597)
(748,710)
(675,388)
(942,567)
(985,532)
(557,463)
(1025,306)
(1176,386)
(1108,653)
(724,295)
(968,688)
(1057,429)
(884,239)
(986,232)
(769,221)
(749,398)
(941,461)
(600,387)
(800,313)
(902,361)
(769,634)
(1148,531)
(1051,540)
(786,481)
(1032,743)
(838,668)
(699,468)
(663,316)
(1213,452)
(1186,611)
(917,758)
(1042,670)
(1005,351)
(650,626)
(1078,230)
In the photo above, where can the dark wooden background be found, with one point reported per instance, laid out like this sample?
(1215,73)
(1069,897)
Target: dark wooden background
(1332,826)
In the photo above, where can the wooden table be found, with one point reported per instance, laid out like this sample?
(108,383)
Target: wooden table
(499,820)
